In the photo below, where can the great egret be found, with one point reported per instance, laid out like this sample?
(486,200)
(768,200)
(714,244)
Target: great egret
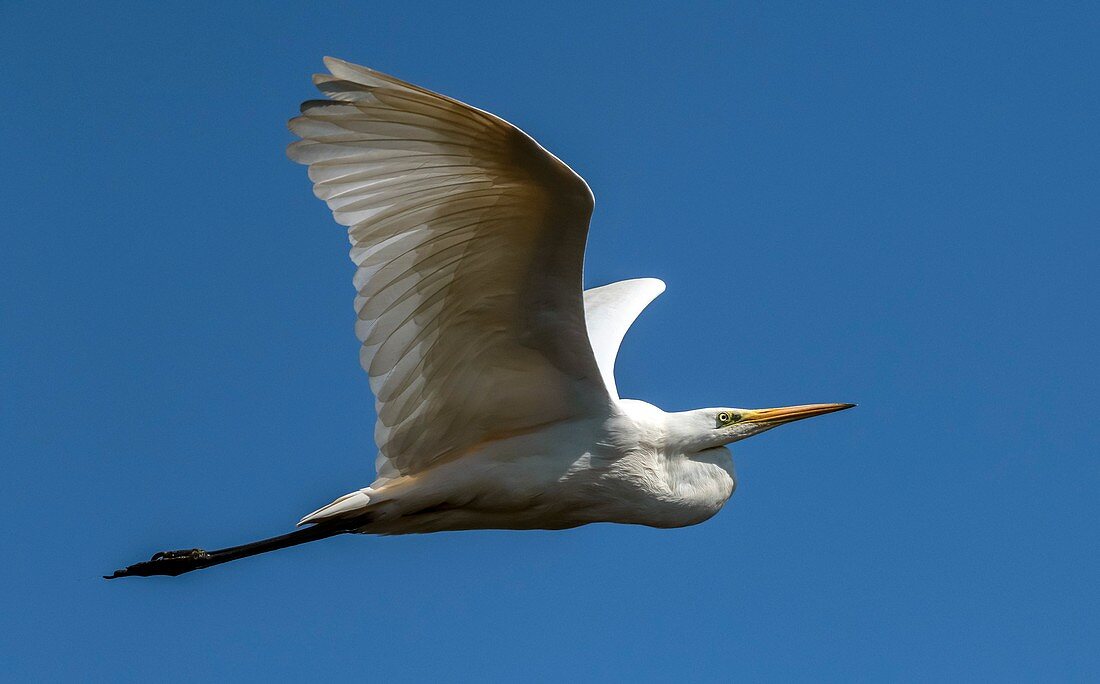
(492,367)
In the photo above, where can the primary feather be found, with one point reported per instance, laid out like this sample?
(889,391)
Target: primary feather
(469,240)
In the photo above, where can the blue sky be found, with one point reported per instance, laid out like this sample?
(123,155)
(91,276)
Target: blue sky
(889,204)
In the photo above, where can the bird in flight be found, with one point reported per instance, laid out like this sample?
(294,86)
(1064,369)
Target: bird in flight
(491,366)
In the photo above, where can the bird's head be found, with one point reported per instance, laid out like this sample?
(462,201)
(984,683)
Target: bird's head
(713,427)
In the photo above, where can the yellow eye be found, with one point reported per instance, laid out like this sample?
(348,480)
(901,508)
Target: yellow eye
(727,418)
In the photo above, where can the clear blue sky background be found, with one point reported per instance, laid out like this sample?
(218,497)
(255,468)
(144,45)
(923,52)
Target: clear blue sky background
(890,204)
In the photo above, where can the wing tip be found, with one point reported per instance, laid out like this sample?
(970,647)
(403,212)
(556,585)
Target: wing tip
(656,283)
(294,150)
(356,73)
(331,62)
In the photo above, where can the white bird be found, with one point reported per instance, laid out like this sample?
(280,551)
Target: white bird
(492,367)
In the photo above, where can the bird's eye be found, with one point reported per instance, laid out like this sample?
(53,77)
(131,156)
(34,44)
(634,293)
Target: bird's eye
(727,418)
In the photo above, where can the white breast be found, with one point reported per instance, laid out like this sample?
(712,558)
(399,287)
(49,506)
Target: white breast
(640,481)
(663,490)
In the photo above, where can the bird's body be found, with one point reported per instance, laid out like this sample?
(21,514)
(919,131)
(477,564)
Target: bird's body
(619,468)
(492,368)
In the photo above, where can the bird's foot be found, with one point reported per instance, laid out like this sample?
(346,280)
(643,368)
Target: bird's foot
(166,563)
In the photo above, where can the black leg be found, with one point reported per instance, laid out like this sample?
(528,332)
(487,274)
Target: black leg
(174,563)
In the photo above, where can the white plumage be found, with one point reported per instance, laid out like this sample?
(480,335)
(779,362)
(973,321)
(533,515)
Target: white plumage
(493,370)
(469,240)
(608,313)
(494,375)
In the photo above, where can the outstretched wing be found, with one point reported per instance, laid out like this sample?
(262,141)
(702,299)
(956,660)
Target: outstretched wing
(469,240)
(609,311)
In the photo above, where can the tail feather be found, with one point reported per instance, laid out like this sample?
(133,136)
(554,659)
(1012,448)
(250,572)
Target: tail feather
(348,505)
